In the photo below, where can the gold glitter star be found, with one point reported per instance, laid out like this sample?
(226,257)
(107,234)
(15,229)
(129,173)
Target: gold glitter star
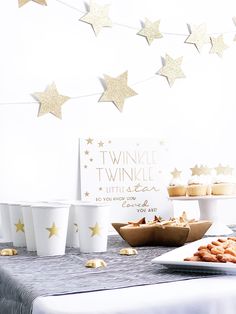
(96,230)
(50,101)
(23,2)
(76,227)
(172,69)
(89,140)
(100,144)
(117,90)
(19,226)
(176,173)
(53,230)
(97,17)
(196,171)
(86,194)
(150,31)
(198,36)
(218,46)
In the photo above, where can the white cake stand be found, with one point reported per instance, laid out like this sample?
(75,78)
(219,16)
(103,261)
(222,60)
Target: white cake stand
(209,210)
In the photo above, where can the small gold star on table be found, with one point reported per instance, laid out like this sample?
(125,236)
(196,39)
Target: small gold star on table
(196,171)
(117,90)
(50,101)
(96,230)
(176,173)
(23,2)
(218,46)
(150,31)
(53,230)
(89,141)
(19,226)
(97,17)
(172,69)
(198,36)
(86,194)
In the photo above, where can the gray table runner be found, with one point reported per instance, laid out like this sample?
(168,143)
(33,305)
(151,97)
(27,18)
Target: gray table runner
(26,276)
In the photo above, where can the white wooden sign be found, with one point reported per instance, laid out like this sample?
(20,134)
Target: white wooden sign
(126,173)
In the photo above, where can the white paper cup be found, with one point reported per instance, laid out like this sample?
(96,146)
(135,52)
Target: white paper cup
(5,222)
(93,220)
(50,228)
(29,227)
(72,237)
(17,225)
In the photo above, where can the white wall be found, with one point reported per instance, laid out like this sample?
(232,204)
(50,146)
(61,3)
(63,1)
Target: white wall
(41,44)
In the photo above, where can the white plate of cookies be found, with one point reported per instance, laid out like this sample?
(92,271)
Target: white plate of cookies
(208,255)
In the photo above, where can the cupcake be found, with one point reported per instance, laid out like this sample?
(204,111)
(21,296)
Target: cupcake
(224,182)
(206,176)
(176,187)
(197,185)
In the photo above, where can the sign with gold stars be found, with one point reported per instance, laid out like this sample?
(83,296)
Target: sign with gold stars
(128,173)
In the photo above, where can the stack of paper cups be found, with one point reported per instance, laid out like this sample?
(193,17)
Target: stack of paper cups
(50,227)
(17,225)
(29,227)
(5,222)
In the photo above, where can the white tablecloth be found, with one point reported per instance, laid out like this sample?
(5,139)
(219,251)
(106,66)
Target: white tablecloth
(198,296)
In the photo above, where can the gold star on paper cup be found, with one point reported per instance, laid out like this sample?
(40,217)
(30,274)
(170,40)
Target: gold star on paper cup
(50,101)
(23,2)
(53,230)
(97,17)
(117,90)
(176,173)
(150,31)
(218,46)
(198,36)
(172,69)
(96,230)
(196,171)
(19,226)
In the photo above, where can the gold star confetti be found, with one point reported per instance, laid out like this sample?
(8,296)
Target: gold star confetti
(19,226)
(176,173)
(23,2)
(89,140)
(117,90)
(96,230)
(50,101)
(53,230)
(100,144)
(86,194)
(91,159)
(172,69)
(196,171)
(85,166)
(76,227)
(218,46)
(198,36)
(86,152)
(97,17)
(150,31)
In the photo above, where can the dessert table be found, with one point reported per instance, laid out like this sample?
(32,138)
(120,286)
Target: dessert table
(215,295)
